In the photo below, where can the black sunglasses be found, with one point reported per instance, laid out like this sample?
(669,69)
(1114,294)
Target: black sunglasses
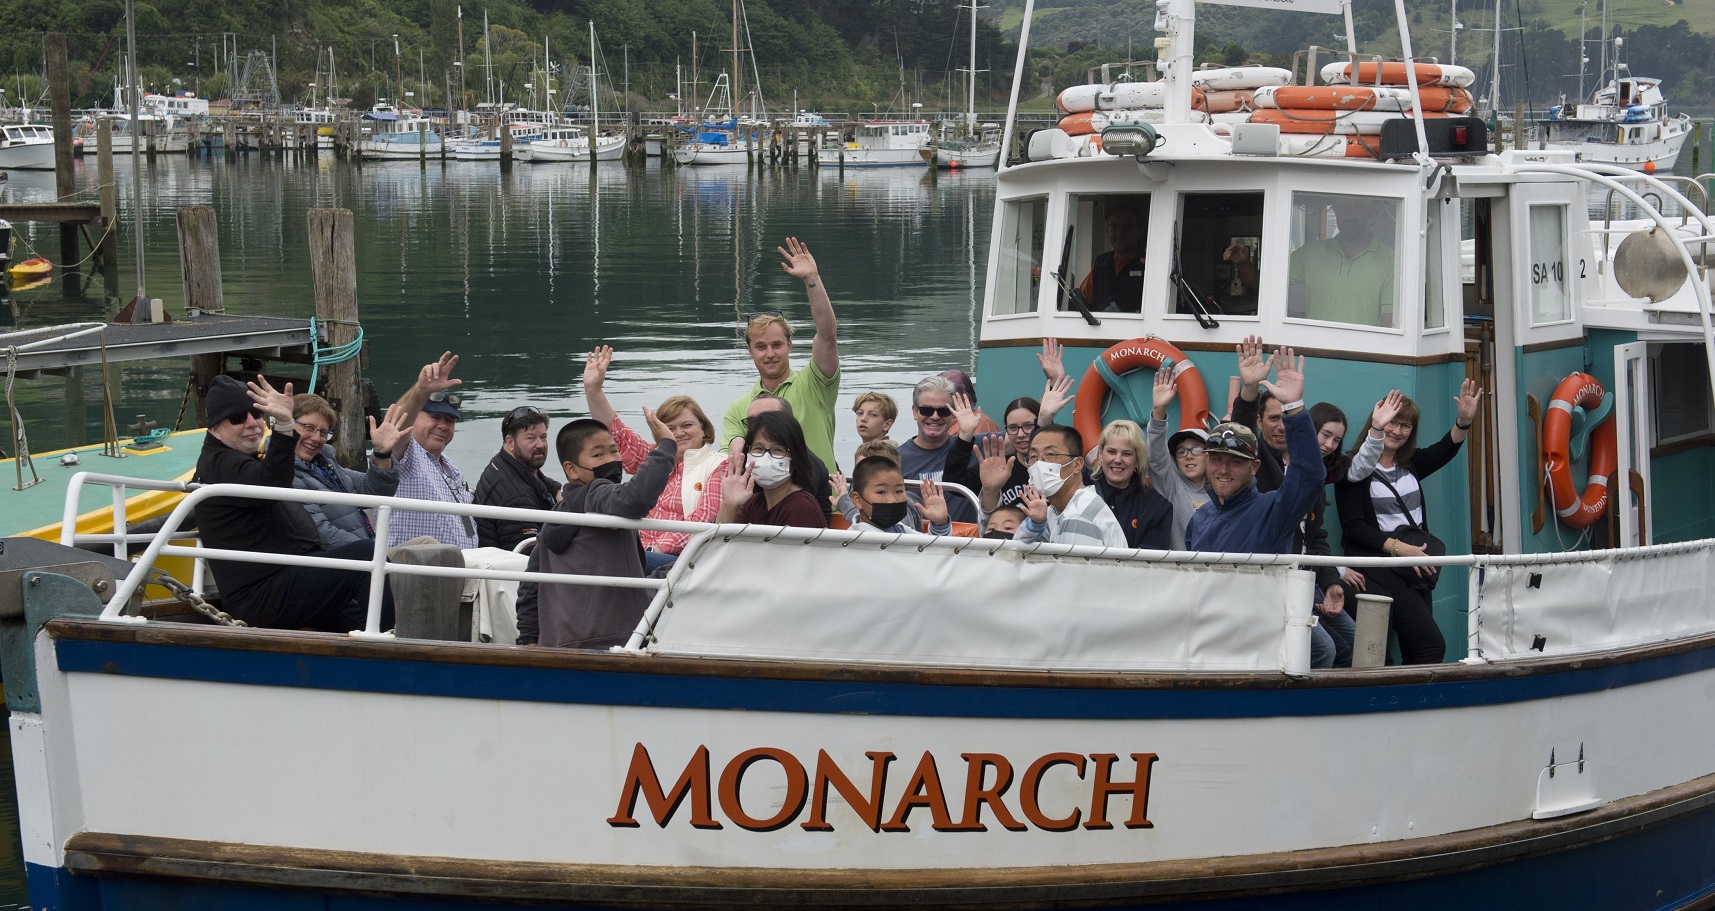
(761,313)
(521,417)
(938,411)
(451,398)
(243,416)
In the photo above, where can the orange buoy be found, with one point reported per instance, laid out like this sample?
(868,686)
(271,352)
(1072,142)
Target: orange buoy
(1363,123)
(1395,73)
(1363,98)
(1583,391)
(1137,354)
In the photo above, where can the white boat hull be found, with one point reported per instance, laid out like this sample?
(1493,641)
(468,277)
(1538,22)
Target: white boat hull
(986,155)
(381,150)
(869,158)
(27,156)
(702,153)
(1659,155)
(607,148)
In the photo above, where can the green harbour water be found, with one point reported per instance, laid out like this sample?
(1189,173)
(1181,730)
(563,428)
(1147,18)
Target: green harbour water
(522,273)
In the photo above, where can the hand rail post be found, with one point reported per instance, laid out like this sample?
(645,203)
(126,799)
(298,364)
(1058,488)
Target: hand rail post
(1474,613)
(68,516)
(378,576)
(119,523)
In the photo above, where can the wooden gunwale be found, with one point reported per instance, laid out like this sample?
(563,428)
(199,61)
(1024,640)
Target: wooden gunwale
(333,645)
(108,854)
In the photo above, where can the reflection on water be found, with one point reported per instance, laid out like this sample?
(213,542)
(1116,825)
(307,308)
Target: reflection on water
(521,273)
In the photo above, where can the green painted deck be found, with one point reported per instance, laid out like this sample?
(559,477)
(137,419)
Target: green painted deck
(44,504)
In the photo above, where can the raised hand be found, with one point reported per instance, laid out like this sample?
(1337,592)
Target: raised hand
(595,366)
(438,376)
(1051,359)
(933,502)
(1035,505)
(966,414)
(392,428)
(655,426)
(1288,385)
(994,466)
(1253,366)
(1054,397)
(270,401)
(1387,409)
(840,486)
(798,262)
(1164,392)
(736,487)
(1470,397)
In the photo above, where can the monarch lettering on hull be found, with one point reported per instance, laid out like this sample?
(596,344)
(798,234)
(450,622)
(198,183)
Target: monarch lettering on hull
(1015,799)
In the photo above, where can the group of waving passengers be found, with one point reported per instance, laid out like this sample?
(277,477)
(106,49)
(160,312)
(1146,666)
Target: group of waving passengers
(1255,483)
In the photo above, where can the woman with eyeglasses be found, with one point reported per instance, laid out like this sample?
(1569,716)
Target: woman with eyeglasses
(1177,465)
(1380,511)
(314,468)
(693,492)
(774,485)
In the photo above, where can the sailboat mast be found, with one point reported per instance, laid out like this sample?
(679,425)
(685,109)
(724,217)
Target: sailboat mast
(971,78)
(735,72)
(1495,79)
(136,144)
(487,63)
(595,95)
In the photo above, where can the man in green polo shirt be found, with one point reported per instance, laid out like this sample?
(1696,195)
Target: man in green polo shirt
(1347,278)
(811,390)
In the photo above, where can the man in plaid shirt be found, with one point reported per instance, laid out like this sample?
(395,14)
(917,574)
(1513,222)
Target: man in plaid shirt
(424,472)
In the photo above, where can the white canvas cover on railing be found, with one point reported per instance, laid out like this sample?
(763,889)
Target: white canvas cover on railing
(863,602)
(1607,602)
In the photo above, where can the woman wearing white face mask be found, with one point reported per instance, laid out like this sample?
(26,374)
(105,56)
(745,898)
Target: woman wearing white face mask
(773,488)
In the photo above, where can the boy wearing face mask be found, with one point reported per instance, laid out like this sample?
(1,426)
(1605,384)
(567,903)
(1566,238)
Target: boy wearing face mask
(598,616)
(1058,508)
(878,493)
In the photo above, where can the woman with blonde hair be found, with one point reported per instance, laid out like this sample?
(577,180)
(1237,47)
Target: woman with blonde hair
(1116,471)
(693,492)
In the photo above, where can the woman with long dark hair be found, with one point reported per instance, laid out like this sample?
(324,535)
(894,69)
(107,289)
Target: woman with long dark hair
(1385,508)
(774,486)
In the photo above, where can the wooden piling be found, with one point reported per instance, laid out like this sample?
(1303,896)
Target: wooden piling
(333,265)
(423,144)
(59,95)
(109,194)
(199,263)
(505,148)
(1518,125)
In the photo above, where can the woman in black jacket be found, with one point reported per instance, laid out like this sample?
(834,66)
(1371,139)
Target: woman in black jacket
(1116,474)
(1374,518)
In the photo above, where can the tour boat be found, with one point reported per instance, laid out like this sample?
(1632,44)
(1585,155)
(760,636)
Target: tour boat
(854,718)
(26,146)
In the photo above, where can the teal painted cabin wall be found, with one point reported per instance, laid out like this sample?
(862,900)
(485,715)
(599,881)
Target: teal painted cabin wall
(1539,372)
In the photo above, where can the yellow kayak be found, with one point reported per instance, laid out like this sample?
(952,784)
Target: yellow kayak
(30,268)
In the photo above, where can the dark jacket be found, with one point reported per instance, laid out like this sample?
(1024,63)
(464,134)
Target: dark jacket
(1362,537)
(1312,536)
(507,482)
(338,524)
(1122,293)
(962,467)
(251,591)
(1145,515)
(1251,522)
(598,616)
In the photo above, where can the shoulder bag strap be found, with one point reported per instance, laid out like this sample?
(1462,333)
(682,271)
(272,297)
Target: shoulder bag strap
(1400,500)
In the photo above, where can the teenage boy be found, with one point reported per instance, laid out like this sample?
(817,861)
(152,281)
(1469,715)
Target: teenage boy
(598,616)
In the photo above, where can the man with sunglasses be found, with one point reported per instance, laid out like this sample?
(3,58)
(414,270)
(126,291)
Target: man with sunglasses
(270,595)
(812,391)
(1241,519)
(425,473)
(924,456)
(514,478)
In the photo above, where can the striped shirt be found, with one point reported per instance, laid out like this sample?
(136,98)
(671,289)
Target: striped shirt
(1389,515)
(1086,520)
(429,477)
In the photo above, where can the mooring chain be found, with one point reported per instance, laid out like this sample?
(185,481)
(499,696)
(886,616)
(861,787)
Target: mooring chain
(197,603)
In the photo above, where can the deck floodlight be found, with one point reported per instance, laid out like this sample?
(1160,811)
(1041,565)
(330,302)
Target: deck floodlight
(1138,139)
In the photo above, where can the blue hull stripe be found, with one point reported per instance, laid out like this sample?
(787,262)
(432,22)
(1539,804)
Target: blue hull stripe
(586,687)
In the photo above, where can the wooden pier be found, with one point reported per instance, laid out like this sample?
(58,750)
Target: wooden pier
(269,338)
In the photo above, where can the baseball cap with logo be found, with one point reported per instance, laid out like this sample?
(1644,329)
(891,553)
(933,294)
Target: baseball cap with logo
(1231,437)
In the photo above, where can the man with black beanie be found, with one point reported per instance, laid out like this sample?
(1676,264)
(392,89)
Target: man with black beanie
(266,594)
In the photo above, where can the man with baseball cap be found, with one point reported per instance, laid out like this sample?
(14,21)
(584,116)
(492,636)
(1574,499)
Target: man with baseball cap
(270,595)
(425,473)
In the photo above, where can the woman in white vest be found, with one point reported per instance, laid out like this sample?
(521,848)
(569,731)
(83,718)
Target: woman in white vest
(693,492)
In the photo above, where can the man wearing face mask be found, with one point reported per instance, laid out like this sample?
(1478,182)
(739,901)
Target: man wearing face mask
(1058,508)
(596,616)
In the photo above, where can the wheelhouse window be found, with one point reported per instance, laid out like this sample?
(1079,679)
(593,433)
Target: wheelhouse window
(1110,240)
(1550,293)
(1219,253)
(1018,275)
(1680,387)
(1434,267)
(1342,267)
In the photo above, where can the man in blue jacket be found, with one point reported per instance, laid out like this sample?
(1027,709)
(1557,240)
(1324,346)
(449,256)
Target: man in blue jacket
(1238,519)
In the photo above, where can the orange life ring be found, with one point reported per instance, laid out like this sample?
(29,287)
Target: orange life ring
(1584,391)
(1137,354)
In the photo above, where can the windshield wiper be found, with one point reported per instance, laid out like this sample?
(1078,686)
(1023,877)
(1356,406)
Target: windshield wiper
(1067,292)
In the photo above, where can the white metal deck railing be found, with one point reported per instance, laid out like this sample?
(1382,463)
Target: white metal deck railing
(1480,598)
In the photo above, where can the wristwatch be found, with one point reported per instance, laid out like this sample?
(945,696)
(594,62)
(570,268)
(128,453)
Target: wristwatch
(283,426)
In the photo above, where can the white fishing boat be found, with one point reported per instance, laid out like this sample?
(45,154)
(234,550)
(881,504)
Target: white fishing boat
(568,143)
(878,144)
(389,134)
(962,144)
(818,718)
(26,146)
(1624,123)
